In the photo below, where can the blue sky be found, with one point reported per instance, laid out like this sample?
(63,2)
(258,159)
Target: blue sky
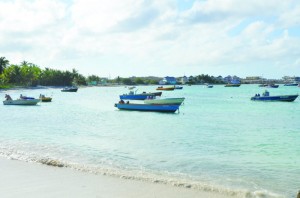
(154,37)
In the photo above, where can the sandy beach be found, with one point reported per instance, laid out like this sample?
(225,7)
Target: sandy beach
(22,179)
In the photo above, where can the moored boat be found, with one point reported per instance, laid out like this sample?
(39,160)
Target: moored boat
(134,96)
(70,89)
(272,86)
(174,101)
(43,98)
(208,85)
(291,84)
(266,97)
(232,85)
(147,107)
(131,88)
(165,88)
(21,101)
(178,87)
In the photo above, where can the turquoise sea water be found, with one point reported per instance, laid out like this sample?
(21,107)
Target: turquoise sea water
(219,141)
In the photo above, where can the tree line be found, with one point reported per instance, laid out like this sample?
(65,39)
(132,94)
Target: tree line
(29,74)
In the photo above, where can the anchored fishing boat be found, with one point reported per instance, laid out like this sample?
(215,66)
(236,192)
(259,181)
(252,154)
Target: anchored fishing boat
(43,98)
(165,88)
(70,89)
(147,107)
(21,101)
(266,97)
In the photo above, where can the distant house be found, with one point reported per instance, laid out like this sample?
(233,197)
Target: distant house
(232,79)
(253,80)
(92,83)
(103,81)
(168,81)
(184,80)
(291,79)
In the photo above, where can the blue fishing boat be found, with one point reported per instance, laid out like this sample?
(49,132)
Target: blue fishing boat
(147,107)
(208,85)
(291,84)
(266,97)
(70,89)
(134,96)
(272,86)
(178,87)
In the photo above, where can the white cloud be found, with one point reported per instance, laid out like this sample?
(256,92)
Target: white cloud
(29,16)
(290,17)
(150,37)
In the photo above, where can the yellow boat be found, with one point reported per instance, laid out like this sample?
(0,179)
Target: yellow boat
(45,99)
(165,88)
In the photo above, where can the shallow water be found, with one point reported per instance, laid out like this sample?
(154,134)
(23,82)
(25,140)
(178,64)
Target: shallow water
(219,141)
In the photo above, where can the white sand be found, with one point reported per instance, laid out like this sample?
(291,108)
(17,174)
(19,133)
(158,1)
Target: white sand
(29,180)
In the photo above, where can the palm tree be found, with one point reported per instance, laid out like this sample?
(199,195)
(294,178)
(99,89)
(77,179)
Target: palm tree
(3,64)
(24,63)
(118,80)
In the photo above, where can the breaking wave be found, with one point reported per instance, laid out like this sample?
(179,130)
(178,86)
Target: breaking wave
(13,154)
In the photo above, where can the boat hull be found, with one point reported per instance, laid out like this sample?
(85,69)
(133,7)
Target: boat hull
(46,99)
(232,85)
(287,98)
(178,87)
(148,107)
(272,86)
(21,102)
(173,101)
(291,84)
(165,88)
(69,90)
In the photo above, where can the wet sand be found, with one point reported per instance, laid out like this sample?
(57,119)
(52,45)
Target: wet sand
(22,179)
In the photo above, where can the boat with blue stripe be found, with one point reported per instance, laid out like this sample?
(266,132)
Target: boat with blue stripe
(148,107)
(266,97)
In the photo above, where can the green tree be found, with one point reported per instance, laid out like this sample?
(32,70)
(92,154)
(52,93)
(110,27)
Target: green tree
(127,81)
(3,64)
(93,78)
(12,74)
(139,81)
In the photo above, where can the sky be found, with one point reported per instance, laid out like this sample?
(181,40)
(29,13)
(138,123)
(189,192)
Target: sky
(126,38)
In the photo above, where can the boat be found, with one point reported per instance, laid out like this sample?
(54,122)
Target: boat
(21,101)
(232,85)
(291,84)
(147,107)
(173,101)
(131,88)
(266,97)
(165,88)
(43,98)
(272,86)
(134,96)
(208,85)
(178,87)
(70,89)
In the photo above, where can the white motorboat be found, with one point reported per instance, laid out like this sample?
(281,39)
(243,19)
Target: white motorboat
(173,101)
(21,102)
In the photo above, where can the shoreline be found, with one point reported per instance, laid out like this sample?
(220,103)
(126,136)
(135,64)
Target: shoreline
(24,179)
